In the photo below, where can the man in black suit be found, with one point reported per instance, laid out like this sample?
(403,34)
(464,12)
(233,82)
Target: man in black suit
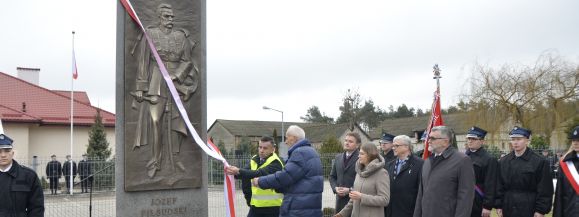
(53,173)
(84,171)
(404,174)
(344,169)
(69,165)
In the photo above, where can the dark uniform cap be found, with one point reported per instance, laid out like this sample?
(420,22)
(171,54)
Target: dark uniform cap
(5,141)
(475,132)
(387,138)
(575,133)
(520,132)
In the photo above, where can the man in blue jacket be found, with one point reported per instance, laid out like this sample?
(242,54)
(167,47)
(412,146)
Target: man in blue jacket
(301,181)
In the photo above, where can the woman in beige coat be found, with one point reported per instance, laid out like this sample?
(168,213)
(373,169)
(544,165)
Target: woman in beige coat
(371,191)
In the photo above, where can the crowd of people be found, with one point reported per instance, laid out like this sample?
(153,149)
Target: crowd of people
(55,170)
(367,183)
(398,183)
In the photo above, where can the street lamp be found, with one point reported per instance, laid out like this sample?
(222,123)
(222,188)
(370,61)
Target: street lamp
(282,129)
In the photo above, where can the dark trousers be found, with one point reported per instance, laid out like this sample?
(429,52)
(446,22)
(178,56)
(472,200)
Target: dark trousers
(85,183)
(253,213)
(53,184)
(68,183)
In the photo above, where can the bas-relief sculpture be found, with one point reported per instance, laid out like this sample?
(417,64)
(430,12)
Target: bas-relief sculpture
(159,152)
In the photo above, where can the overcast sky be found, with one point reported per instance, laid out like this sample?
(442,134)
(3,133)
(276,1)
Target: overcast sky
(291,55)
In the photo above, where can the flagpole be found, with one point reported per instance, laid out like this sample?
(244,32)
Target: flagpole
(71,168)
(435,116)
(1,128)
(437,76)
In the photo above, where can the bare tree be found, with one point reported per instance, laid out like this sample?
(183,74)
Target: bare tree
(541,96)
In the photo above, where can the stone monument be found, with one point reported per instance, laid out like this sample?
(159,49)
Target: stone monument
(160,170)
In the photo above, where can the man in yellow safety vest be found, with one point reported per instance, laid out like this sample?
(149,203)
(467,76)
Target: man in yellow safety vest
(261,202)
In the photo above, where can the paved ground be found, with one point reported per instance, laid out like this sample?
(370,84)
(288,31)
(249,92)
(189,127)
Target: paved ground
(104,204)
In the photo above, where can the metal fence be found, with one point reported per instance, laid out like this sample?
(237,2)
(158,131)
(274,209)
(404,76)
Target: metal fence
(103,197)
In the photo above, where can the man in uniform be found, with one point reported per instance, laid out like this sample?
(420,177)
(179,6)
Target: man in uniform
(66,170)
(84,171)
(343,171)
(159,121)
(20,189)
(261,202)
(525,186)
(53,172)
(386,145)
(447,180)
(485,171)
(567,191)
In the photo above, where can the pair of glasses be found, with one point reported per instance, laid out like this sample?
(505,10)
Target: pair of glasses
(397,145)
(430,138)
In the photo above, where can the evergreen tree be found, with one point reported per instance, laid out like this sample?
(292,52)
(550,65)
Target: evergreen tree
(98,146)
(315,116)
(331,146)
(222,148)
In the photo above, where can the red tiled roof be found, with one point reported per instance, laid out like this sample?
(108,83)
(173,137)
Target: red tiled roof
(78,95)
(44,106)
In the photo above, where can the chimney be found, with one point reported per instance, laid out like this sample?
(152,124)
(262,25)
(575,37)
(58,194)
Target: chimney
(23,106)
(30,75)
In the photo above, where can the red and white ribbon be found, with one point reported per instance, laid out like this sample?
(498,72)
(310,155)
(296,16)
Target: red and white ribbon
(210,149)
(571,173)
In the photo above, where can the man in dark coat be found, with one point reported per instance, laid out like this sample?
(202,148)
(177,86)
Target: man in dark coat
(53,173)
(265,162)
(66,171)
(20,189)
(447,181)
(485,171)
(301,181)
(525,187)
(566,193)
(386,145)
(343,171)
(84,171)
(404,178)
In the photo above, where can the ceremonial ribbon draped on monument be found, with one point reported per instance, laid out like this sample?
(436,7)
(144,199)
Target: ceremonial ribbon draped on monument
(209,148)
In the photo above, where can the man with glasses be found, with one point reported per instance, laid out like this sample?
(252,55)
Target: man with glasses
(386,145)
(485,170)
(447,180)
(525,186)
(404,178)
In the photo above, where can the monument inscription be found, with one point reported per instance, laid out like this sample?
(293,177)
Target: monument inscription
(164,207)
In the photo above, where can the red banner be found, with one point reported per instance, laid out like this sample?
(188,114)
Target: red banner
(435,120)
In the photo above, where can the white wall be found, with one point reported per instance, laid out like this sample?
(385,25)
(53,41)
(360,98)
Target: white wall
(43,141)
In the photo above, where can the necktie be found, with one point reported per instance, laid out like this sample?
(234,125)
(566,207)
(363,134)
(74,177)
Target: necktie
(398,166)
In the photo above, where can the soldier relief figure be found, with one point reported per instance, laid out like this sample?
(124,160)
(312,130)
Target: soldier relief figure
(159,123)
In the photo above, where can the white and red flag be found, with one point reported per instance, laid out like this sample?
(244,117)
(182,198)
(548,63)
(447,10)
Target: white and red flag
(74,69)
(435,120)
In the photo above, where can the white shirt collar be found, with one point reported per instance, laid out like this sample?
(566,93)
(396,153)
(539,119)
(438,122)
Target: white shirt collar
(7,168)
